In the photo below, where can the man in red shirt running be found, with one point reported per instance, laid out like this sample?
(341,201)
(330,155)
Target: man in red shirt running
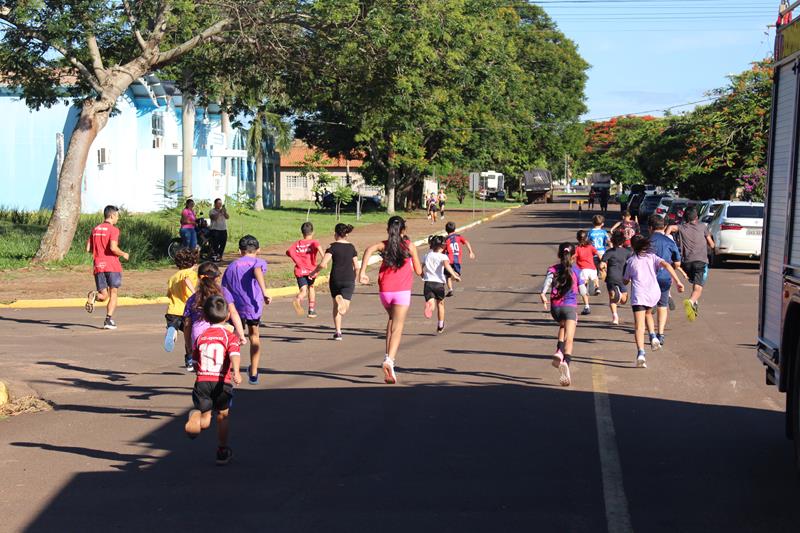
(103,244)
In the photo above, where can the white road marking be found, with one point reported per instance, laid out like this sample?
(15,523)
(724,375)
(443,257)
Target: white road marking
(618,518)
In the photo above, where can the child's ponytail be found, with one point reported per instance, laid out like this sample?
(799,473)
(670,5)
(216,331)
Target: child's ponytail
(396,251)
(208,273)
(583,238)
(562,281)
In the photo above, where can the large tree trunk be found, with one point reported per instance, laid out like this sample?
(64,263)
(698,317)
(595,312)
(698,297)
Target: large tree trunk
(391,190)
(187,130)
(57,239)
(260,181)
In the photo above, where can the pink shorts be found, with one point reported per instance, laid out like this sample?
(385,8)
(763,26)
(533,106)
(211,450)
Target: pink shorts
(388,299)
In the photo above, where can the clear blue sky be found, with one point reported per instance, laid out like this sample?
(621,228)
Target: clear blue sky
(654,54)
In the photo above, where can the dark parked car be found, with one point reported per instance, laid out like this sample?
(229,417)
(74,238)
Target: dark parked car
(649,205)
(678,207)
(368,203)
(634,203)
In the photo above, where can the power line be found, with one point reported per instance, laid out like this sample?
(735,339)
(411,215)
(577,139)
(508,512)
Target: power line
(652,110)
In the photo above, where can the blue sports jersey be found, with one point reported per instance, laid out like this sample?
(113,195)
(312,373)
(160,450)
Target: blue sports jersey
(666,249)
(599,239)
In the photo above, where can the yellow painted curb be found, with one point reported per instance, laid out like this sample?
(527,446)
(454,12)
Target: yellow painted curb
(127,301)
(3,394)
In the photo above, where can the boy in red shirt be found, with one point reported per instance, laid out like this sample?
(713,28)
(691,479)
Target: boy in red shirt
(454,244)
(304,254)
(216,353)
(585,254)
(103,244)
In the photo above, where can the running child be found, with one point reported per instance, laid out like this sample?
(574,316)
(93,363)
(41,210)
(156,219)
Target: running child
(641,270)
(435,264)
(395,279)
(216,353)
(194,322)
(180,288)
(304,254)
(586,254)
(433,208)
(244,278)
(613,267)
(103,244)
(342,281)
(563,283)
(598,236)
(627,226)
(454,243)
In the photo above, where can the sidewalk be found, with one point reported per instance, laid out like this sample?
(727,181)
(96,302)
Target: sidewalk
(40,283)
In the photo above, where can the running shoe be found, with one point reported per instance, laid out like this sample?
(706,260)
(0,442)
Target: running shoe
(189,362)
(597,291)
(224,455)
(641,360)
(655,343)
(449,294)
(253,380)
(661,339)
(312,313)
(439,330)
(558,358)
(586,311)
(615,319)
(298,307)
(617,294)
(91,298)
(170,338)
(429,308)
(671,304)
(564,377)
(109,323)
(691,310)
(389,375)
(337,336)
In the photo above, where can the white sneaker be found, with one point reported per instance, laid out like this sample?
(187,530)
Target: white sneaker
(615,320)
(655,344)
(641,361)
(389,376)
(558,358)
(564,379)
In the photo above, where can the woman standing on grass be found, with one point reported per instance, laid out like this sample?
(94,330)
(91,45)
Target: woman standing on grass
(563,283)
(188,231)
(641,270)
(342,281)
(395,279)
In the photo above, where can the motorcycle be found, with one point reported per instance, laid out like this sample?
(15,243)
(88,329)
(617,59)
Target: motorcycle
(203,241)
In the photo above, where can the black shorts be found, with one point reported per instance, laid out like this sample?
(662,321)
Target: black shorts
(212,395)
(564,312)
(639,308)
(105,280)
(345,290)
(456,267)
(696,271)
(175,321)
(251,321)
(433,290)
(305,281)
(621,286)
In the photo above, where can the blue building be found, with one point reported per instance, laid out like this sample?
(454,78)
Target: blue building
(135,161)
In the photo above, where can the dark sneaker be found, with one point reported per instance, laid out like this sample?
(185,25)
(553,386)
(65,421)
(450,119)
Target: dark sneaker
(449,294)
(224,455)
(253,380)
(440,330)
(337,336)
(109,323)
(312,313)
(188,362)
(661,339)
(586,311)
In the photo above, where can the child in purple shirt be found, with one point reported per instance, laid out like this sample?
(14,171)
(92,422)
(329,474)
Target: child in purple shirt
(194,324)
(641,271)
(244,278)
(563,283)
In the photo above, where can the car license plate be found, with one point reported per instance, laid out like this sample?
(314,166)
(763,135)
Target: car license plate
(754,232)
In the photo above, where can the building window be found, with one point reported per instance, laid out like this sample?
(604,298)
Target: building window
(296,182)
(157,123)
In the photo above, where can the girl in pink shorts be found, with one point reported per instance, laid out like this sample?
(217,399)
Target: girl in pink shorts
(395,279)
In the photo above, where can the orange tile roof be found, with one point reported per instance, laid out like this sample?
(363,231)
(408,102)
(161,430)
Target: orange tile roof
(297,154)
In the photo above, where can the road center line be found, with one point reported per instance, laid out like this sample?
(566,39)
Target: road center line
(618,517)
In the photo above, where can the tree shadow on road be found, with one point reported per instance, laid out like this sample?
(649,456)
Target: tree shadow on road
(49,323)
(496,457)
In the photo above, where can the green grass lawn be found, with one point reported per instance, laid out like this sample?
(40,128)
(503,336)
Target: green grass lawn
(146,236)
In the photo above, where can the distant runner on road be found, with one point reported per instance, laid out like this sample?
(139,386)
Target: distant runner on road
(103,244)
(455,253)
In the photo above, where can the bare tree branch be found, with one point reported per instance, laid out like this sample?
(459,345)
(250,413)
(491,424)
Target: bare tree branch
(97,59)
(191,44)
(134,25)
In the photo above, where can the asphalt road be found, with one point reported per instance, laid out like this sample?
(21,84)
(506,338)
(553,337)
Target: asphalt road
(478,436)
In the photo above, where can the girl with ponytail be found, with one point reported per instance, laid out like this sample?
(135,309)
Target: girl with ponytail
(395,279)
(563,283)
(209,283)
(342,280)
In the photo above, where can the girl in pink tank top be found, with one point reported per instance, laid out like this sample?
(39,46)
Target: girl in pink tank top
(395,279)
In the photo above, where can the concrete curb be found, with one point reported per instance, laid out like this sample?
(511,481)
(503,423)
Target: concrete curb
(279,292)
(4,396)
